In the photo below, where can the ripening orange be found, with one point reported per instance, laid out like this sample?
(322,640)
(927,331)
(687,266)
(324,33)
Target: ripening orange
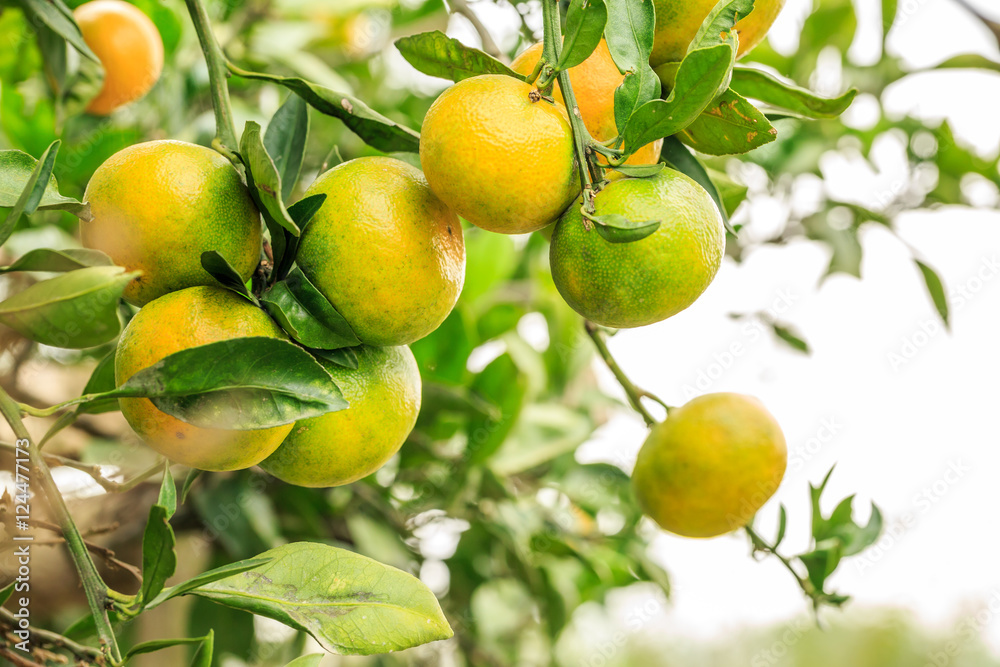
(129,48)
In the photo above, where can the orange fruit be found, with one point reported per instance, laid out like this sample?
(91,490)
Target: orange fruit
(678,21)
(341,447)
(175,322)
(633,284)
(159,205)
(710,466)
(498,155)
(129,48)
(594,83)
(385,251)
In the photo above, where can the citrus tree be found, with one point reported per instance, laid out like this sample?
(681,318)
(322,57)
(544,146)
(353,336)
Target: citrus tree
(292,335)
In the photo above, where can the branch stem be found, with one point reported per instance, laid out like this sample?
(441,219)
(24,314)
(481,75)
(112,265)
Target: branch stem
(53,638)
(94,587)
(634,393)
(225,128)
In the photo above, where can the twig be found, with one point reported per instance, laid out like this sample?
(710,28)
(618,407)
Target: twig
(225,129)
(991,25)
(107,554)
(93,585)
(462,8)
(634,393)
(17,660)
(94,471)
(53,638)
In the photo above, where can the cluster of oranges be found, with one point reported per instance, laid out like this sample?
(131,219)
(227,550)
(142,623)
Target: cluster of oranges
(386,249)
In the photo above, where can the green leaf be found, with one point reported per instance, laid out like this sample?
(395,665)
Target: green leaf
(285,141)
(888,17)
(681,159)
(57,16)
(345,356)
(629,33)
(503,385)
(616,228)
(718,25)
(782,526)
(311,660)
(168,492)
(203,654)
(102,379)
(307,315)
(264,181)
(283,244)
(791,337)
(697,83)
(640,170)
(159,561)
(970,61)
(75,310)
(375,129)
(6,592)
(57,261)
(585,21)
(435,54)
(189,480)
(241,384)
(206,578)
(635,90)
(729,125)
(160,644)
(349,603)
(936,289)
(219,268)
(769,89)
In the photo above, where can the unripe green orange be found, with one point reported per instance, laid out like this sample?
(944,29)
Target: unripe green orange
(710,466)
(385,251)
(383,395)
(175,322)
(159,205)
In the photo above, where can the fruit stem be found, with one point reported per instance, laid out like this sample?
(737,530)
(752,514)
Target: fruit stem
(225,129)
(634,393)
(94,587)
(758,544)
(590,170)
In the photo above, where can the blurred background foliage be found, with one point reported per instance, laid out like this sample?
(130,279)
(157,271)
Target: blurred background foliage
(538,558)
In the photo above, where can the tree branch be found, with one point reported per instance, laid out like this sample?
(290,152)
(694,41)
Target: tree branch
(634,393)
(462,8)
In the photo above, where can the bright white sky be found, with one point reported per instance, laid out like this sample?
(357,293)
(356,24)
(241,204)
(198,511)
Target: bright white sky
(894,430)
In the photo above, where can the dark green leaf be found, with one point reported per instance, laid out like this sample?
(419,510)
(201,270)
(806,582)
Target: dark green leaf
(241,384)
(349,603)
(25,185)
(283,244)
(264,181)
(436,54)
(75,310)
(729,125)
(936,289)
(616,228)
(59,18)
(640,170)
(206,578)
(375,129)
(6,592)
(219,268)
(681,159)
(345,356)
(585,21)
(769,89)
(790,336)
(102,379)
(158,557)
(697,83)
(57,261)
(307,315)
(285,141)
